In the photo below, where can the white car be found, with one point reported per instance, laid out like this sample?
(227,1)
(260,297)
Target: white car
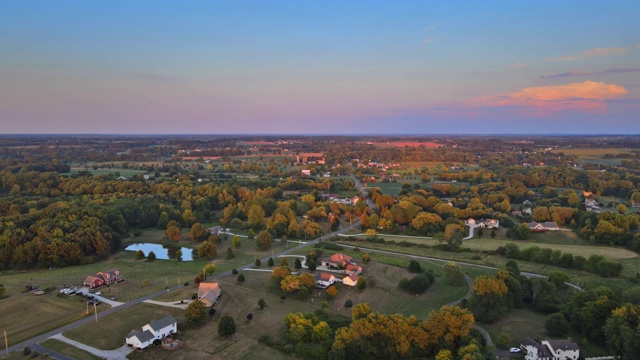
(98,293)
(514,350)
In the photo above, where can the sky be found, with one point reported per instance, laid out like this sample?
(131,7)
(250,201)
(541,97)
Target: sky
(320,67)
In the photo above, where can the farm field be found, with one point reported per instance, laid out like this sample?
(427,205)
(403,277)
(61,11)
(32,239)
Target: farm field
(595,155)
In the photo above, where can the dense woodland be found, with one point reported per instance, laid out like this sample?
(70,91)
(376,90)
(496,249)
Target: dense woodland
(64,202)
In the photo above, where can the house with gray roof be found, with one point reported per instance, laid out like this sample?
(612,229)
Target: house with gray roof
(154,330)
(550,349)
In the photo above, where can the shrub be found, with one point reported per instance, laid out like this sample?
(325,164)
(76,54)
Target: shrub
(261,303)
(26,350)
(270,262)
(258,262)
(186,283)
(234,271)
(249,316)
(415,267)
(348,303)
(240,278)
(226,326)
(137,233)
(151,256)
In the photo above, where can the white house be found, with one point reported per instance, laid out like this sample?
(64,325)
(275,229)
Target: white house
(154,330)
(350,280)
(488,224)
(545,226)
(550,349)
(324,280)
(306,172)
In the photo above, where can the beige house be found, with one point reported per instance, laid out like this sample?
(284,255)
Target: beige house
(350,280)
(209,293)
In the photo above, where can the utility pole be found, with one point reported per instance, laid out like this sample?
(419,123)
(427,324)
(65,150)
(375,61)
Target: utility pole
(95,311)
(6,342)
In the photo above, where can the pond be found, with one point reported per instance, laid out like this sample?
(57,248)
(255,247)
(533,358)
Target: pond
(163,252)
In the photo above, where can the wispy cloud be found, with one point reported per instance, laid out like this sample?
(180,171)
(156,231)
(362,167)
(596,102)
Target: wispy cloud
(578,73)
(427,41)
(592,53)
(588,96)
(519,65)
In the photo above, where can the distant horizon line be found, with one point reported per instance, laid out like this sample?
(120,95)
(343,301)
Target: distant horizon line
(319,134)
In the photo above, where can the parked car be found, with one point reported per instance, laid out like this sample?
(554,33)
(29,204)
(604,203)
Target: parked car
(514,350)
(97,302)
(112,298)
(91,291)
(98,293)
(90,302)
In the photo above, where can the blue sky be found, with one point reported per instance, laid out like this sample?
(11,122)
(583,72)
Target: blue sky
(304,67)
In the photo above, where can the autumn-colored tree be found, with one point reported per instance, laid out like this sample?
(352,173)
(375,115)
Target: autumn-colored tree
(489,301)
(281,272)
(264,240)
(208,249)
(307,280)
(449,324)
(198,232)
(359,311)
(541,213)
(366,258)
(195,312)
(173,233)
(361,284)
(255,217)
(332,291)
(291,283)
(453,236)
(444,354)
(307,327)
(209,268)
(235,241)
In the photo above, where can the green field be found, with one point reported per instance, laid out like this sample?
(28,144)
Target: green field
(595,155)
(67,349)
(109,332)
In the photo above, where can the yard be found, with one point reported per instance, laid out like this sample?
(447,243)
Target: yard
(109,333)
(67,349)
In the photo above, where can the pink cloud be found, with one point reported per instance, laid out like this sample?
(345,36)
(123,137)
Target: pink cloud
(588,97)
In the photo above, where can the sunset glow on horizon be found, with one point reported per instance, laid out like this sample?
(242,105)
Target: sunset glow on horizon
(289,67)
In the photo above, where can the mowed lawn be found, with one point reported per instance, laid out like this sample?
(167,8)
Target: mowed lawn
(565,241)
(518,324)
(68,349)
(26,315)
(109,332)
